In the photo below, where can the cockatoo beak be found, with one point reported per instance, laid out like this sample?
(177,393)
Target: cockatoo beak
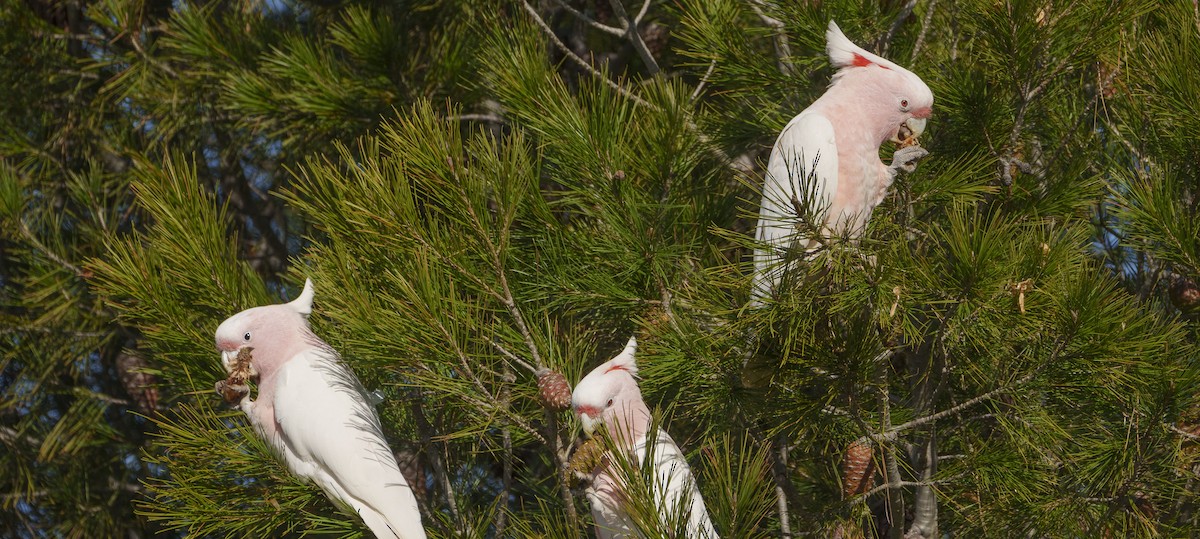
(227,359)
(909,131)
(589,424)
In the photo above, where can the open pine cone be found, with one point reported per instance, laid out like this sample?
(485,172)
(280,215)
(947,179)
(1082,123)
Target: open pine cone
(234,387)
(585,458)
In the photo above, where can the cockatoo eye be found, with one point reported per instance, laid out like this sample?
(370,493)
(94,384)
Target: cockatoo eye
(904,105)
(246,336)
(609,402)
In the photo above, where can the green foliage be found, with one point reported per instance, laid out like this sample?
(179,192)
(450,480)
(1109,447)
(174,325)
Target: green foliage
(474,206)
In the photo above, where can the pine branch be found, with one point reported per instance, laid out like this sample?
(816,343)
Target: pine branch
(704,80)
(562,47)
(905,11)
(783,49)
(612,30)
(635,37)
(925,24)
(46,251)
(895,500)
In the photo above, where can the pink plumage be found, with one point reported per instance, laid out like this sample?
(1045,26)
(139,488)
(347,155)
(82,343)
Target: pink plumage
(825,169)
(317,417)
(609,398)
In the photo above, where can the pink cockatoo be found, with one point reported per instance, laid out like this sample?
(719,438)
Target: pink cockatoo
(314,413)
(825,166)
(609,397)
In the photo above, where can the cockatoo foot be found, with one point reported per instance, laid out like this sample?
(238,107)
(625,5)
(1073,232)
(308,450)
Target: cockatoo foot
(906,158)
(231,392)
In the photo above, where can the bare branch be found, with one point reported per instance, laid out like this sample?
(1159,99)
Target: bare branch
(905,11)
(511,356)
(895,499)
(783,49)
(619,32)
(575,58)
(631,32)
(41,247)
(492,118)
(704,80)
(642,12)
(925,23)
(1182,432)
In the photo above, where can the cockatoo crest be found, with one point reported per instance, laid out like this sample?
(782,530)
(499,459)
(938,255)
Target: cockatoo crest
(843,53)
(303,303)
(610,392)
(848,58)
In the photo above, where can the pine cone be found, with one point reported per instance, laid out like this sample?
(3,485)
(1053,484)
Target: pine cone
(234,387)
(1185,295)
(553,390)
(413,470)
(656,37)
(858,469)
(139,384)
(585,458)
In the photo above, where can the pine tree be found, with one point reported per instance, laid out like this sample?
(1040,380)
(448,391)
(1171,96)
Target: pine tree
(487,195)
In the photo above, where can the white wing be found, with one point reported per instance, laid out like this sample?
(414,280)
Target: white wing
(332,435)
(803,168)
(675,488)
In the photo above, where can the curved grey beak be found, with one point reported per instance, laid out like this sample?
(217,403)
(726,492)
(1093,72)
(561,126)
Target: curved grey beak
(910,130)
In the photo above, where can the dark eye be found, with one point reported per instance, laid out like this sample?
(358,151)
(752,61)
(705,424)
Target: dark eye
(904,103)
(609,402)
(246,336)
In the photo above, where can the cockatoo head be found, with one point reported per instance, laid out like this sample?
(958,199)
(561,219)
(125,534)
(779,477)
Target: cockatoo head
(897,97)
(609,396)
(275,333)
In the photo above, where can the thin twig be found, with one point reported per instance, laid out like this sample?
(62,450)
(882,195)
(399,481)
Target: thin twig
(492,118)
(511,356)
(905,11)
(37,244)
(562,47)
(1181,432)
(704,80)
(895,499)
(891,485)
(619,32)
(925,23)
(506,474)
(642,12)
(635,37)
(894,431)
(783,49)
(424,430)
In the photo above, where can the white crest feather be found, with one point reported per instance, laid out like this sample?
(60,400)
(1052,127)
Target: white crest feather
(303,303)
(625,360)
(843,52)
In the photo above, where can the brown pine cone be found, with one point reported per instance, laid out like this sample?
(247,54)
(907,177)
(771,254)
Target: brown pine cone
(413,470)
(553,390)
(234,387)
(858,469)
(1185,295)
(587,455)
(139,384)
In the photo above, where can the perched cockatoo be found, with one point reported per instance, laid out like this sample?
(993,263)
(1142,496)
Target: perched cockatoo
(609,397)
(314,413)
(825,165)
